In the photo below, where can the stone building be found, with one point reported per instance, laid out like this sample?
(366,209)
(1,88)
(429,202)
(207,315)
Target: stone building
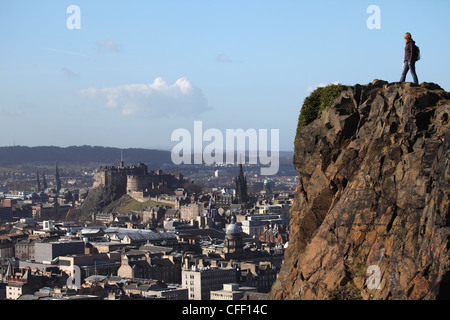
(90,264)
(102,217)
(232,246)
(115,176)
(21,281)
(191,211)
(201,281)
(231,291)
(24,249)
(258,275)
(46,211)
(137,181)
(146,265)
(274,233)
(6,248)
(153,215)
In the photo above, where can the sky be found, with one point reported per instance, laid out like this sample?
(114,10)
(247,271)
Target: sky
(128,74)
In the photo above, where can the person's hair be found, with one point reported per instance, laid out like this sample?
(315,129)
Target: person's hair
(408,35)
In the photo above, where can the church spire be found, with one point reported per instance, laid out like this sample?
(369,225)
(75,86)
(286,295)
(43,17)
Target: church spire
(57,179)
(9,271)
(241,186)
(121,159)
(38,182)
(44,182)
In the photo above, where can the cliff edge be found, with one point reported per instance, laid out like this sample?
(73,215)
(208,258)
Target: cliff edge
(371,213)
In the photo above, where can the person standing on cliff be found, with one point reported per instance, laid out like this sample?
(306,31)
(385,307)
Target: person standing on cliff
(410,59)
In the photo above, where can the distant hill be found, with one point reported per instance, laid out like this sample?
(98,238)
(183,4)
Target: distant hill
(80,154)
(93,156)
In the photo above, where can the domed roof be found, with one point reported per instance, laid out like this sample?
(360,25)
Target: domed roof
(233,229)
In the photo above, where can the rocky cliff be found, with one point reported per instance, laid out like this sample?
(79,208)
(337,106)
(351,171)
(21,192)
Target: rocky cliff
(371,213)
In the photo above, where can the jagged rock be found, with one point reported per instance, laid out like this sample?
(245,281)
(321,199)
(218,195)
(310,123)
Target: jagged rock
(98,199)
(373,195)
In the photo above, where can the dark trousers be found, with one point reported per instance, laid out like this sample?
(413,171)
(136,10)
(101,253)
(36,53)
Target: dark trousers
(406,67)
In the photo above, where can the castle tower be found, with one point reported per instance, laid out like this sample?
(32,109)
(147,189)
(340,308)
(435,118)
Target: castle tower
(57,178)
(241,186)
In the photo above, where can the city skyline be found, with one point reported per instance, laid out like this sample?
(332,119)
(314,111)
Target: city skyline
(132,73)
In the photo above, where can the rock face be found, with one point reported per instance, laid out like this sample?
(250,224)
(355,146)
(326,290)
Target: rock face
(371,213)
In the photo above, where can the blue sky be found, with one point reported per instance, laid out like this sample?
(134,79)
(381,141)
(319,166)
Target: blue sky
(136,71)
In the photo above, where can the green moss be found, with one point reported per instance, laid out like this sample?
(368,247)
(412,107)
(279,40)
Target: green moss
(360,269)
(316,102)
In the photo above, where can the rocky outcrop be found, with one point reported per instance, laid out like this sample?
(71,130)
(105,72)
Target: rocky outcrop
(98,199)
(371,213)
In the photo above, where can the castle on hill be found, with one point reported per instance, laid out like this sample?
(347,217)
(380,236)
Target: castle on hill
(137,181)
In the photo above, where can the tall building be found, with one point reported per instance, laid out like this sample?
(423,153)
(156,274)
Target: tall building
(241,186)
(57,179)
(201,281)
(38,182)
(44,182)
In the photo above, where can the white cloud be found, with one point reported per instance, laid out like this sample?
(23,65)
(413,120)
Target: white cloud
(157,99)
(320,85)
(108,45)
